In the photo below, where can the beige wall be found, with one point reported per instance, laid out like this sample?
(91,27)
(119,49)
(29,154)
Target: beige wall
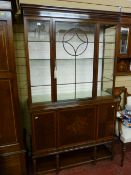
(18,30)
(110,5)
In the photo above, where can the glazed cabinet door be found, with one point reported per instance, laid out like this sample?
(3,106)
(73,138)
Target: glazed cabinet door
(44,131)
(76,126)
(106,120)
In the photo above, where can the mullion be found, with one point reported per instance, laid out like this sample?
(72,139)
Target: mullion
(75,75)
(53,60)
(103,59)
(95,63)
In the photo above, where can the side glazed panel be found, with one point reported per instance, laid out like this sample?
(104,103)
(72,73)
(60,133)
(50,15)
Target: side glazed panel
(76,126)
(44,131)
(106,121)
(7,120)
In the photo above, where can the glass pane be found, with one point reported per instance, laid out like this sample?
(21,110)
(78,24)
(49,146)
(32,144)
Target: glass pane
(83,90)
(65,91)
(124,34)
(40,72)
(74,59)
(84,70)
(38,31)
(105,88)
(39,60)
(41,93)
(106,59)
(65,71)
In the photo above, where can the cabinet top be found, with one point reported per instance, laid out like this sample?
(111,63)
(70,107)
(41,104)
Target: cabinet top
(64,12)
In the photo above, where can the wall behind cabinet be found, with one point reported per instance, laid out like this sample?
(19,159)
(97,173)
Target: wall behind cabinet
(124,81)
(85,4)
(18,30)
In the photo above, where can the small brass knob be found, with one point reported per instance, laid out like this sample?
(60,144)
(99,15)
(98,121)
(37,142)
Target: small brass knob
(36,118)
(112,106)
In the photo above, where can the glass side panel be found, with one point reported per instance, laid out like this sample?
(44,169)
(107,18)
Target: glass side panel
(39,60)
(124,36)
(74,59)
(106,60)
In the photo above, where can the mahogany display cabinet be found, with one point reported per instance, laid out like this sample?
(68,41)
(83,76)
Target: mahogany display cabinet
(70,67)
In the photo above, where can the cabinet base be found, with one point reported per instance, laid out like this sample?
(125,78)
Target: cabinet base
(56,162)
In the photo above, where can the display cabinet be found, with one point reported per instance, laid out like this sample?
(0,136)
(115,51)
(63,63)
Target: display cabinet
(70,67)
(123,42)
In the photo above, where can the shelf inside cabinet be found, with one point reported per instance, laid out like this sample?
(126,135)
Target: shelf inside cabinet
(45,164)
(32,41)
(67,96)
(103,152)
(78,157)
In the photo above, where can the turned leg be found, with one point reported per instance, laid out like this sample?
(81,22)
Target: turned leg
(112,149)
(34,166)
(57,164)
(123,153)
(94,157)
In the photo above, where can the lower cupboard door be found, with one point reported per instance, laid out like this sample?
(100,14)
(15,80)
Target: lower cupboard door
(76,126)
(44,131)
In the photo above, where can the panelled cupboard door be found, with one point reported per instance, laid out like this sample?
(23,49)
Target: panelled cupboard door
(44,131)
(6,45)
(7,112)
(106,120)
(76,126)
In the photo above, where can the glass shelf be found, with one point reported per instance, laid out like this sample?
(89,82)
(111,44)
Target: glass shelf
(69,96)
